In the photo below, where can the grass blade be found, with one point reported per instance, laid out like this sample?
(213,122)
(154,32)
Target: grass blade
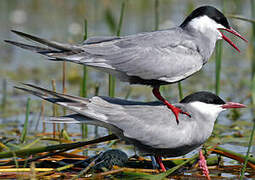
(248,151)
(121,18)
(109,18)
(97,86)
(24,131)
(4,93)
(84,127)
(156,9)
(112,80)
(55,110)
(40,149)
(85,72)
(112,84)
(64,87)
(218,57)
(233,16)
(253,41)
(189,8)
(253,93)
(180,90)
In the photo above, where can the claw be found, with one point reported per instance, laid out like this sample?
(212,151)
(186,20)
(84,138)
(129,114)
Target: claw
(186,113)
(174,109)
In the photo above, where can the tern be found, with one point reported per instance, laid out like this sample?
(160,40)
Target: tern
(149,58)
(138,122)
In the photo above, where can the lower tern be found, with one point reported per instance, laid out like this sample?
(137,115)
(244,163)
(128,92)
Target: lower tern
(149,58)
(138,122)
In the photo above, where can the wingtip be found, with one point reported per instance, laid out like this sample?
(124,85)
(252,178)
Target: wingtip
(12,42)
(31,85)
(24,35)
(20,88)
(17,32)
(12,30)
(8,41)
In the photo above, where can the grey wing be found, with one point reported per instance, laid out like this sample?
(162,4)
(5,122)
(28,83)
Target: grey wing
(153,126)
(162,55)
(100,39)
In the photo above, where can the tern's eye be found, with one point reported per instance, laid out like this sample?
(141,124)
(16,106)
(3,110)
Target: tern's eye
(218,19)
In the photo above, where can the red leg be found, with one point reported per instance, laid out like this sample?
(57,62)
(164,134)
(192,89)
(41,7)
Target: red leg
(203,166)
(174,109)
(161,165)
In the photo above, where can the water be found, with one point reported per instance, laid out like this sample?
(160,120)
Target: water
(63,21)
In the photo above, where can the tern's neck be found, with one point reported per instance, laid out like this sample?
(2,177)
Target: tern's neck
(205,116)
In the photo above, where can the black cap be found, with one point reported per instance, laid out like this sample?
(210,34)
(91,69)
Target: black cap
(209,11)
(203,96)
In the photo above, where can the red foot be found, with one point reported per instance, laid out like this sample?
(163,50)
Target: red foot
(174,109)
(161,165)
(203,166)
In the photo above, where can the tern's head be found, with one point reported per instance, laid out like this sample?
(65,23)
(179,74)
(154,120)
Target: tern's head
(209,104)
(209,20)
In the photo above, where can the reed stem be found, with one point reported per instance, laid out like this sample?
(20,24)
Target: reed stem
(252,92)
(42,116)
(4,93)
(96,94)
(248,151)
(121,18)
(218,56)
(64,88)
(179,83)
(156,10)
(54,108)
(84,127)
(253,40)
(24,131)
(112,80)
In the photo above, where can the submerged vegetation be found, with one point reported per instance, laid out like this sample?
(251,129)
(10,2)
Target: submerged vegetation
(33,149)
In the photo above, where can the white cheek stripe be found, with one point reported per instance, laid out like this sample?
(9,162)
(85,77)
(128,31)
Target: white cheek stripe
(204,24)
(211,110)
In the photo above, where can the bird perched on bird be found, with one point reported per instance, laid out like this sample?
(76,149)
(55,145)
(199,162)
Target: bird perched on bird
(150,58)
(138,122)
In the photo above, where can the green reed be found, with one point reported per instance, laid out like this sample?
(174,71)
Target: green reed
(4,97)
(121,18)
(252,91)
(85,71)
(96,92)
(218,58)
(190,7)
(64,87)
(25,128)
(156,10)
(54,110)
(84,127)
(112,80)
